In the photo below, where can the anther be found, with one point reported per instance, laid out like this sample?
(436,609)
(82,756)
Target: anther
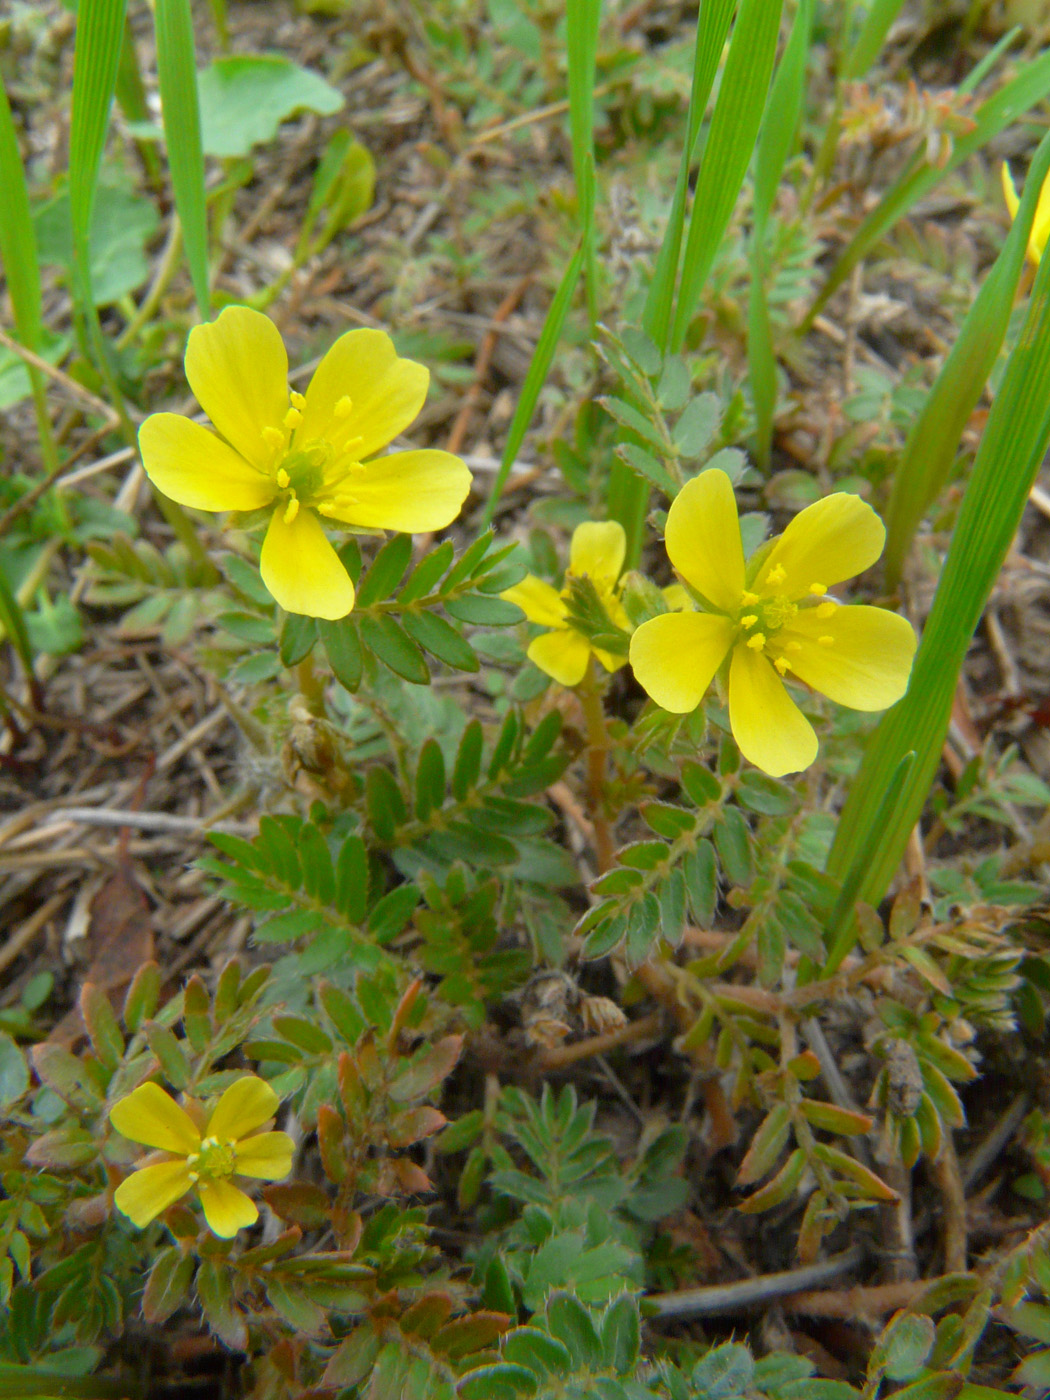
(344,406)
(273,438)
(292,418)
(777,574)
(793,646)
(757,642)
(782,665)
(826,641)
(291,510)
(283,479)
(818,588)
(825,609)
(748,599)
(749,621)
(298,400)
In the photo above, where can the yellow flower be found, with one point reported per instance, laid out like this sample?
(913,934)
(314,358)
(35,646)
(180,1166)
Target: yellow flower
(303,454)
(775,623)
(208,1160)
(596,553)
(1040,230)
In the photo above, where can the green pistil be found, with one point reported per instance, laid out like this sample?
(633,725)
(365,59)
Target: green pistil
(766,615)
(305,470)
(216,1159)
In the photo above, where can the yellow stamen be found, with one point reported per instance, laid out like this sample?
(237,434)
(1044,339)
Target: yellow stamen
(273,438)
(291,510)
(757,642)
(777,574)
(818,588)
(748,621)
(344,406)
(298,400)
(748,599)
(292,418)
(826,641)
(793,646)
(283,479)
(781,664)
(825,609)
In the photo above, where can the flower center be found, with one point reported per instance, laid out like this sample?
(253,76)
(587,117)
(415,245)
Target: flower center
(214,1160)
(763,616)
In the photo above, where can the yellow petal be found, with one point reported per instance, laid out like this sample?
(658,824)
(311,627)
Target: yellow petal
(1037,239)
(830,540)
(226,1208)
(771,730)
(1040,230)
(152,1117)
(676,598)
(867,663)
(267,1156)
(409,491)
(611,660)
(538,601)
(302,570)
(193,466)
(238,369)
(385,394)
(703,539)
(144,1194)
(675,657)
(1013,203)
(597,550)
(244,1106)
(562,655)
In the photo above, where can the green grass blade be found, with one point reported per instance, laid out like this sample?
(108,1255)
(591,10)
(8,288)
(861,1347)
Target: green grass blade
(727,153)
(96,59)
(535,378)
(18,254)
(774,146)
(581,39)
(1011,453)
(131,94)
(871,38)
(99,40)
(177,74)
(1029,86)
(712,26)
(628,493)
(929,452)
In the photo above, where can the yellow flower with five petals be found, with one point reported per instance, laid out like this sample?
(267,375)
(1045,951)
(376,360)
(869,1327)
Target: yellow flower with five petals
(205,1160)
(596,553)
(305,455)
(772,621)
(1040,230)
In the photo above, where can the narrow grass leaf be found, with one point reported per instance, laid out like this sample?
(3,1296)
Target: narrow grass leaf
(581,39)
(1011,453)
(18,253)
(131,94)
(177,75)
(628,496)
(919,177)
(99,40)
(774,146)
(929,452)
(535,378)
(734,126)
(871,38)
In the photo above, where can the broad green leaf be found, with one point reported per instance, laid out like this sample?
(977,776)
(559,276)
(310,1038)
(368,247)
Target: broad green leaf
(122,224)
(244,99)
